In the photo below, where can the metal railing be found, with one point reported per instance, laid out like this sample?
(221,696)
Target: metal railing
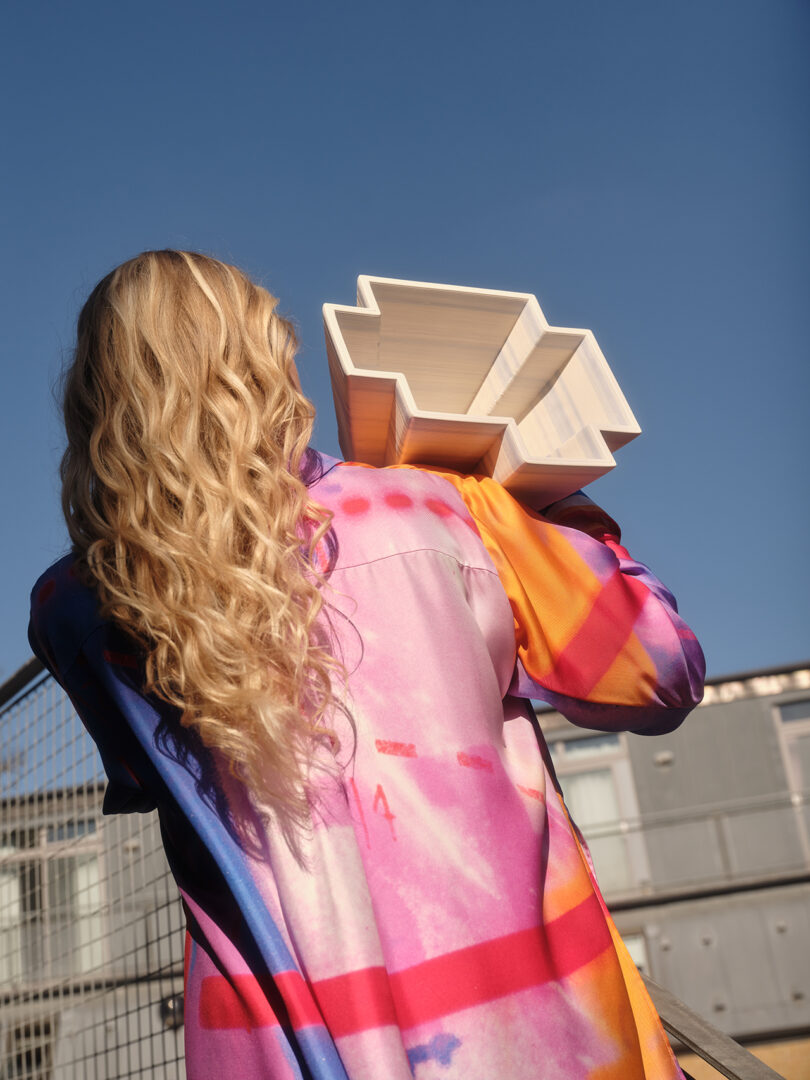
(724,1055)
(91,928)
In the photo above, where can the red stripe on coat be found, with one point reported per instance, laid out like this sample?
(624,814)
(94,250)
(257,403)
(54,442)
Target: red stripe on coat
(371,998)
(594,648)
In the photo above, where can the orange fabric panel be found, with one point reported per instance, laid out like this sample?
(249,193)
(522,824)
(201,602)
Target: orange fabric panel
(574,633)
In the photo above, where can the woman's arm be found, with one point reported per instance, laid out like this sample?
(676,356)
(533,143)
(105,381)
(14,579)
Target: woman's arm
(598,636)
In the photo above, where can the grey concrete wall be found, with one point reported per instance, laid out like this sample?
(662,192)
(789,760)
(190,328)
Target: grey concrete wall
(721,754)
(742,961)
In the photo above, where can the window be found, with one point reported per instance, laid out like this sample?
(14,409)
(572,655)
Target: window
(10,920)
(794,724)
(73,903)
(597,782)
(795,717)
(69,830)
(636,945)
(50,899)
(28,1051)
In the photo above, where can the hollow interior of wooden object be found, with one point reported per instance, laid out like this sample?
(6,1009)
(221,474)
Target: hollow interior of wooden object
(488,355)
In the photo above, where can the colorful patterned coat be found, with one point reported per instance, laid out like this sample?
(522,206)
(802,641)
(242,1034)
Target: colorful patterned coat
(446,923)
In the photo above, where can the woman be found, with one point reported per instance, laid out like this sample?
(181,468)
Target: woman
(318,673)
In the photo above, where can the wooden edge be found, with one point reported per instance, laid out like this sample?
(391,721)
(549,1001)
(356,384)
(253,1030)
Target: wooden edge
(366,283)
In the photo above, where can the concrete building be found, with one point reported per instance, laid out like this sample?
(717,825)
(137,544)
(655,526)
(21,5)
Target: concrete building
(701,842)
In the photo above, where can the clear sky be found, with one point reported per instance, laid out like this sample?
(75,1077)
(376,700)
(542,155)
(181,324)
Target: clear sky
(643,167)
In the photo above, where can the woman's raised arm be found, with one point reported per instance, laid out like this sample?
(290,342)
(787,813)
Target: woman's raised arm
(598,636)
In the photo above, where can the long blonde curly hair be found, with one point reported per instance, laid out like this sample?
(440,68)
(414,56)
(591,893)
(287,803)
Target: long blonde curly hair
(182,491)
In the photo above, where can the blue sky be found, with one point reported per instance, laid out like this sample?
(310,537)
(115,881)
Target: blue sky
(642,167)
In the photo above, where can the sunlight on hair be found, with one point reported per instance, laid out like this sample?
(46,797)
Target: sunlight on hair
(182,491)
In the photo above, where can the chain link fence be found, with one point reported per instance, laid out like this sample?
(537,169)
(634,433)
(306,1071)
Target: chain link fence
(91,928)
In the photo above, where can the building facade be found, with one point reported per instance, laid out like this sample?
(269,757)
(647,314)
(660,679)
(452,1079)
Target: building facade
(701,842)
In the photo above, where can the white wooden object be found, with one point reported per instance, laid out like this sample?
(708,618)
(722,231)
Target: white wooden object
(474,380)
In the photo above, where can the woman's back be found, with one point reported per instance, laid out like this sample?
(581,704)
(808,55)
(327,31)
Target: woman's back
(440,917)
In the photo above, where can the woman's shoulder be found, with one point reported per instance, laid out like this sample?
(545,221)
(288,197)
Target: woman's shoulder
(64,612)
(333,475)
(378,513)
